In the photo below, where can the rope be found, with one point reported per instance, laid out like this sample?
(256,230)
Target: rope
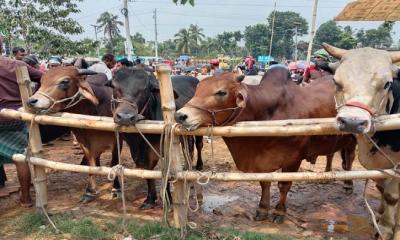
(28,160)
(371,212)
(118,170)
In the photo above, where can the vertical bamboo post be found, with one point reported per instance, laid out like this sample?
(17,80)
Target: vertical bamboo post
(177,164)
(38,172)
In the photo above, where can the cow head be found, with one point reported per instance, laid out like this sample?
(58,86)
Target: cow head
(61,88)
(131,93)
(363,79)
(215,102)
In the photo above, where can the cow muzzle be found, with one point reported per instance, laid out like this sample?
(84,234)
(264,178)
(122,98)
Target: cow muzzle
(126,119)
(354,120)
(183,117)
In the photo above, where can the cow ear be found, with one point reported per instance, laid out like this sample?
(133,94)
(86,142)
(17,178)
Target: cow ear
(241,98)
(87,91)
(239,78)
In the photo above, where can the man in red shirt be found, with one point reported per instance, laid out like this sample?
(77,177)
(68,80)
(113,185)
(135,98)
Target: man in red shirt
(13,133)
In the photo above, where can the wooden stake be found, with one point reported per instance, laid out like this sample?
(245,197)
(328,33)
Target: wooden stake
(168,107)
(312,32)
(38,172)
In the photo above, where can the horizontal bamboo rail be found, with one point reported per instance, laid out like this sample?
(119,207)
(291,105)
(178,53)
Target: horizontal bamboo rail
(305,127)
(221,176)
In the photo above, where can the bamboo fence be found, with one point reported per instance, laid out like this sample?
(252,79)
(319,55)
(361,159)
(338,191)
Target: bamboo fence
(326,126)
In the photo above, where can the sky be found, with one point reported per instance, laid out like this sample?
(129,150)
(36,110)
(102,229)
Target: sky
(212,15)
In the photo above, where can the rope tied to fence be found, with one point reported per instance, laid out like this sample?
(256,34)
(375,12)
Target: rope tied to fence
(118,170)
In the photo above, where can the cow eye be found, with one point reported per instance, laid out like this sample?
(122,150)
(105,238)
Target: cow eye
(64,84)
(220,93)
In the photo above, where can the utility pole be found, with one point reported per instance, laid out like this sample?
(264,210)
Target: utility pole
(96,30)
(128,42)
(272,34)
(295,45)
(312,32)
(155,34)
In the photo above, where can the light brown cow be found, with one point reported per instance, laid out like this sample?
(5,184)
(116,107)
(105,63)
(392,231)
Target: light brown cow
(365,89)
(67,89)
(225,100)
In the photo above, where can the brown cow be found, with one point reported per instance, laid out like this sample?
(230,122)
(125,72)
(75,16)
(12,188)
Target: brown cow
(67,89)
(224,100)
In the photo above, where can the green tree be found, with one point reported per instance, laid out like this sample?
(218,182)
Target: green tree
(33,20)
(284,32)
(167,49)
(257,38)
(378,38)
(183,41)
(110,25)
(228,42)
(140,46)
(328,32)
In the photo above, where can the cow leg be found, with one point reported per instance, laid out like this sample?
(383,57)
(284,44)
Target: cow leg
(199,148)
(84,161)
(151,199)
(329,159)
(263,207)
(280,208)
(390,199)
(348,155)
(116,191)
(91,189)
(24,178)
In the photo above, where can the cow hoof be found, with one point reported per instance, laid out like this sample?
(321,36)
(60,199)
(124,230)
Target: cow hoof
(147,205)
(261,215)
(87,197)
(116,193)
(199,167)
(278,219)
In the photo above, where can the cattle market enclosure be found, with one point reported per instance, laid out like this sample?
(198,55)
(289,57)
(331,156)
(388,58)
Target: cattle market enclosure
(265,128)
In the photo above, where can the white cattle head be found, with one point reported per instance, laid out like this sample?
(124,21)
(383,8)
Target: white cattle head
(363,79)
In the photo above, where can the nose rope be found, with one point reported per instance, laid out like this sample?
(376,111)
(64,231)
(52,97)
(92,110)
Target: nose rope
(74,100)
(236,111)
(116,101)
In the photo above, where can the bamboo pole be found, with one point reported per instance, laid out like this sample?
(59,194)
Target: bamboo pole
(38,172)
(312,32)
(219,176)
(292,127)
(180,191)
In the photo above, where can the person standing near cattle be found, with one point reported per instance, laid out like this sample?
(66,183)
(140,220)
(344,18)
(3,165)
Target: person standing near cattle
(19,53)
(107,63)
(314,71)
(14,134)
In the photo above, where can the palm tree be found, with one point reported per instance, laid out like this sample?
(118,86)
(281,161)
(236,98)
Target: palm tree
(110,25)
(196,34)
(183,41)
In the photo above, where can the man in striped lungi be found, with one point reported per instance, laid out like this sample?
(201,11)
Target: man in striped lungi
(13,134)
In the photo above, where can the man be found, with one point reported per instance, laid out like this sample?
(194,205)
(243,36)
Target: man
(32,61)
(107,63)
(13,133)
(53,62)
(314,71)
(19,53)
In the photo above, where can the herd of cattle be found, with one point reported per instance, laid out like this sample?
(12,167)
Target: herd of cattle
(364,85)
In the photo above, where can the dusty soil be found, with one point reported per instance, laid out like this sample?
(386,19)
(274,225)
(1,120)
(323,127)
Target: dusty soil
(314,209)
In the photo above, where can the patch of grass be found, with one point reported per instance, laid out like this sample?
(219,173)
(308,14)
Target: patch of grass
(36,227)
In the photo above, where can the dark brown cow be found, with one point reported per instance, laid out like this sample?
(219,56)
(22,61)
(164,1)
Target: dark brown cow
(69,89)
(277,97)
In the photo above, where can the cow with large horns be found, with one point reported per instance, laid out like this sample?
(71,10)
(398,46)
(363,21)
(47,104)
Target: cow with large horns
(367,86)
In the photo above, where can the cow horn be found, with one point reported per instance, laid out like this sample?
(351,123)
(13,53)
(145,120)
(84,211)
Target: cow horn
(334,51)
(86,72)
(334,66)
(395,56)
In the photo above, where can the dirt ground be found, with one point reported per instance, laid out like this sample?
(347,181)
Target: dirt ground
(321,210)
